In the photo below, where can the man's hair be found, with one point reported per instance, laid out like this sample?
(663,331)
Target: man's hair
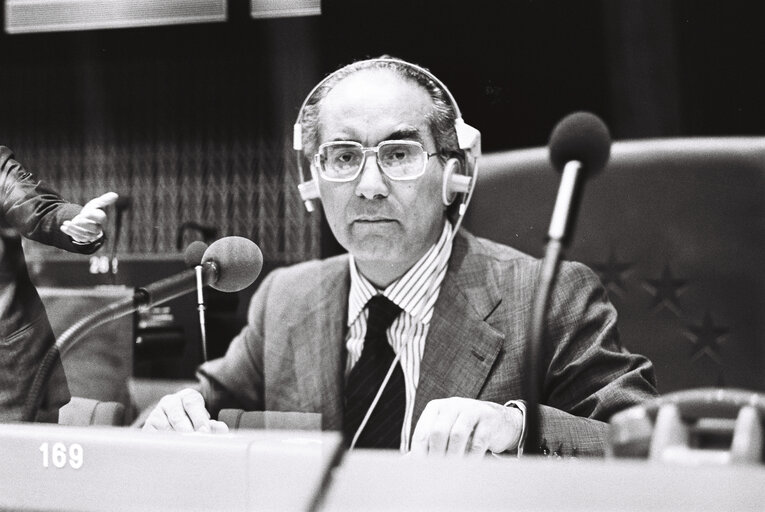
(441,119)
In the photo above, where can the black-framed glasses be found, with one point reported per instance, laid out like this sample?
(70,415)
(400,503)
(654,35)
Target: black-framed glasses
(342,161)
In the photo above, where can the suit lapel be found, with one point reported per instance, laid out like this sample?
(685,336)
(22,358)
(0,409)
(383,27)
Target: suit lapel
(319,350)
(461,346)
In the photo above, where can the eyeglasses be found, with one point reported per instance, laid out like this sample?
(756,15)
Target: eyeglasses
(342,161)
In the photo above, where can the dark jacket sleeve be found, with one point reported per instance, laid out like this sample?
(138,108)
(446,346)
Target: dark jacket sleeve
(33,210)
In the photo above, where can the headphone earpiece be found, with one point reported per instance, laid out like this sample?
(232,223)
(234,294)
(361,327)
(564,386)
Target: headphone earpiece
(309,191)
(454,182)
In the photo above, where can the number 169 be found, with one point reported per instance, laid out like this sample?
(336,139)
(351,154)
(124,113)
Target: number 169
(59,455)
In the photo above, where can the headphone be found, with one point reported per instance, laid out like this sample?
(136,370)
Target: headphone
(455,181)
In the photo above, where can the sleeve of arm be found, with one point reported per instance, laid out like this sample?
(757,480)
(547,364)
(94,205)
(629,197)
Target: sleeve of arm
(236,379)
(589,375)
(33,210)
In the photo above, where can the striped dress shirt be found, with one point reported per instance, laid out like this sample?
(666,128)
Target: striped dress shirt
(415,293)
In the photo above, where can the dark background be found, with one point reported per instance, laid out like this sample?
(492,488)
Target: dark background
(148,109)
(649,68)
(194,122)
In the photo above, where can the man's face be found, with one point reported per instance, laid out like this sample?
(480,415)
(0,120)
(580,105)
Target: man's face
(380,221)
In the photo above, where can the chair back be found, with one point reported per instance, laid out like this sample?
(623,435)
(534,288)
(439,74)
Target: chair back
(676,230)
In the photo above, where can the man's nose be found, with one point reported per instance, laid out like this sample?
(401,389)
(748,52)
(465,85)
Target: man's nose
(372,183)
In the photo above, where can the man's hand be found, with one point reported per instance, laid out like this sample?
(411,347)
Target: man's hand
(465,426)
(87,226)
(183,411)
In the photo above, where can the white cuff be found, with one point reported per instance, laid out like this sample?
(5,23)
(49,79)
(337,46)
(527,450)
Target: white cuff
(95,240)
(521,406)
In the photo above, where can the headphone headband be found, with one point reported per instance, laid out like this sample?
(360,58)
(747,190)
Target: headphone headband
(468,138)
(470,141)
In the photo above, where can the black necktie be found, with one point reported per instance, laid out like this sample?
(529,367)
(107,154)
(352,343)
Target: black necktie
(383,430)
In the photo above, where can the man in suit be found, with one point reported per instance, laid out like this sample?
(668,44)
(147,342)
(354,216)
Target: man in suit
(453,309)
(29,209)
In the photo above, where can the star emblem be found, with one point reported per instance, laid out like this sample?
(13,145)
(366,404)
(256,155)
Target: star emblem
(612,273)
(665,291)
(706,339)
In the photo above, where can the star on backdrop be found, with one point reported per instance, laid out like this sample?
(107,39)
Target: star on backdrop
(665,291)
(612,273)
(706,339)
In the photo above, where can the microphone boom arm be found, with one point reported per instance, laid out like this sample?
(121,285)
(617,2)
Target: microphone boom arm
(557,235)
(579,145)
(563,202)
(155,293)
(67,339)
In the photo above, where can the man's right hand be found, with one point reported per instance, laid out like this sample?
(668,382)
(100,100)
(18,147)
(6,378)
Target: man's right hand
(183,411)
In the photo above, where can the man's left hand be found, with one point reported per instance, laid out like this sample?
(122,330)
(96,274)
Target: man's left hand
(462,426)
(87,226)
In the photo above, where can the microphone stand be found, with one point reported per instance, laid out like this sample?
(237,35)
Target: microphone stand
(548,271)
(580,141)
(241,259)
(65,341)
(123,203)
(156,293)
(201,309)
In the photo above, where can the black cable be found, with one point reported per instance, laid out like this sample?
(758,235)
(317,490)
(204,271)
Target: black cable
(67,341)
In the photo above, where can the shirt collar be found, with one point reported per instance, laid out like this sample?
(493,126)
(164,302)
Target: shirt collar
(410,291)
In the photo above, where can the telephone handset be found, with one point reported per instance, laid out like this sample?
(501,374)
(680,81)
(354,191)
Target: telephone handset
(706,425)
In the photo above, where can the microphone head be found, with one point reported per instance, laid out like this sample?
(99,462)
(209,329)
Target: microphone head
(123,203)
(193,254)
(239,262)
(583,137)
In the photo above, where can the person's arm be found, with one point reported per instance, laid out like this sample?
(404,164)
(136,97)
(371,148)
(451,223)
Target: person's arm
(232,381)
(86,229)
(588,378)
(460,426)
(40,214)
(589,375)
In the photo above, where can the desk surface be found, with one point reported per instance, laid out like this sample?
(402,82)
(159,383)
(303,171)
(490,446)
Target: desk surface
(369,480)
(49,467)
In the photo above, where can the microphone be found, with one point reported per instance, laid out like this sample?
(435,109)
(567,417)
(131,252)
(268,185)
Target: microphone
(239,263)
(229,265)
(207,232)
(120,205)
(192,257)
(580,145)
(123,203)
(194,253)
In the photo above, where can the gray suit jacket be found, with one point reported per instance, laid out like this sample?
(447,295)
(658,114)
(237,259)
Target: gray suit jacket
(291,354)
